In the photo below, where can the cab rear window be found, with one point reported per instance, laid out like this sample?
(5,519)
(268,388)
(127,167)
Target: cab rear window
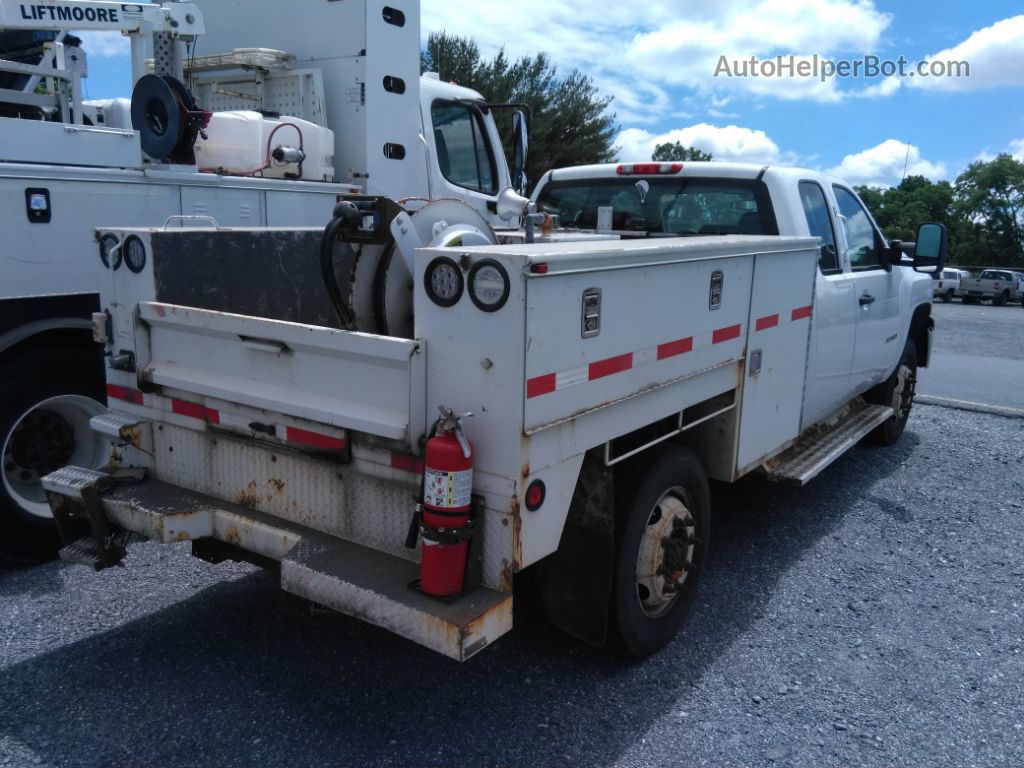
(662,206)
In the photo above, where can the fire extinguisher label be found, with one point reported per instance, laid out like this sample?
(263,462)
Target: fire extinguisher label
(448,489)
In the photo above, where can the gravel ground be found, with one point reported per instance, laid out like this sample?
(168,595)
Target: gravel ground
(873,618)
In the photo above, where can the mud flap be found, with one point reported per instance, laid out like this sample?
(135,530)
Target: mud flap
(576,581)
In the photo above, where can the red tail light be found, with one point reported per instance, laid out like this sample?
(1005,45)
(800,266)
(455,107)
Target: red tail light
(540,268)
(648,169)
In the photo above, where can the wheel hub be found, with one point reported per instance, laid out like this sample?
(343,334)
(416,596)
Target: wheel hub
(666,553)
(42,442)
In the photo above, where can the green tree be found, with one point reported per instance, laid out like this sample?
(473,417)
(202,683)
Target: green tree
(570,123)
(673,151)
(989,212)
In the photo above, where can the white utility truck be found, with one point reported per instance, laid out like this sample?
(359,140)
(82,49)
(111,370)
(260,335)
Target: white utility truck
(608,379)
(268,132)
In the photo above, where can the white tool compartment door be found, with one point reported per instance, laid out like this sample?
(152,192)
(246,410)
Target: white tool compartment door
(781,313)
(657,325)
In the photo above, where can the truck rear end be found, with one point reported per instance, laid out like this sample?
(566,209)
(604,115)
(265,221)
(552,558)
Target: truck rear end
(242,421)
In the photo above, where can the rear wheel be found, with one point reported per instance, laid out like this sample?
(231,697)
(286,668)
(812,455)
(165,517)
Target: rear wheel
(664,517)
(970,300)
(47,396)
(1001,299)
(898,393)
(947,297)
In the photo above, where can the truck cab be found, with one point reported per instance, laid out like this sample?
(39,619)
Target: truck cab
(874,310)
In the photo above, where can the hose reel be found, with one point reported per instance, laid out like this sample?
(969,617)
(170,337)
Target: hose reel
(370,245)
(167,119)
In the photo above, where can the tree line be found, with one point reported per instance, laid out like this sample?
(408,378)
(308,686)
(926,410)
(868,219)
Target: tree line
(572,125)
(983,209)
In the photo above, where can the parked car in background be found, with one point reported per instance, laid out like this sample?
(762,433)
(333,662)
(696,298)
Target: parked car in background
(946,283)
(1000,286)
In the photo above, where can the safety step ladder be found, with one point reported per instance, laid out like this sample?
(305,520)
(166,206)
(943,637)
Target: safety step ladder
(822,445)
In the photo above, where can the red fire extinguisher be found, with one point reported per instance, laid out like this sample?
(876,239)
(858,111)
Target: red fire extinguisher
(447,505)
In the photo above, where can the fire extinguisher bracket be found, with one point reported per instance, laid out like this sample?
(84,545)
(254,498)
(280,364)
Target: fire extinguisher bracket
(474,563)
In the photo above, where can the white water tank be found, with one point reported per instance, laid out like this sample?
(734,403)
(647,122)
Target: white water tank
(243,143)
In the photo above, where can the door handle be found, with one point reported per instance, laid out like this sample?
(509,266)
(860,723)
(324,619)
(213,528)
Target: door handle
(866,299)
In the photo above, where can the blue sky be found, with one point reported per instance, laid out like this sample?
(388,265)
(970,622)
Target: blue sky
(658,60)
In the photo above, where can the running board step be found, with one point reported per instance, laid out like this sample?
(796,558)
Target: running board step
(86,551)
(374,586)
(814,452)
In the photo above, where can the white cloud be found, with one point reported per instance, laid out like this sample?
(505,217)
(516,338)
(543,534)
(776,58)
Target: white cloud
(667,43)
(726,143)
(996,56)
(101,45)
(1016,149)
(882,165)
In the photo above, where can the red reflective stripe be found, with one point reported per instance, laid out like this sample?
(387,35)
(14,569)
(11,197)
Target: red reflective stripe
(314,439)
(611,365)
(540,385)
(801,312)
(407,463)
(764,323)
(673,348)
(195,411)
(124,393)
(725,334)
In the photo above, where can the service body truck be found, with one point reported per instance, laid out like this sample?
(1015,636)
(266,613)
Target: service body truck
(338,98)
(607,378)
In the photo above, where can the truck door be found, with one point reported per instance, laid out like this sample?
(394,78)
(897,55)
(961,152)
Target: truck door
(835,314)
(877,348)
(469,164)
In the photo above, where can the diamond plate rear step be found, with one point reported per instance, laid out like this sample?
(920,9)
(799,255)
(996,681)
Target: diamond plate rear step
(86,551)
(346,577)
(118,426)
(72,481)
(805,460)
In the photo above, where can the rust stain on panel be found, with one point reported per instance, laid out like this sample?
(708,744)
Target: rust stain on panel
(249,497)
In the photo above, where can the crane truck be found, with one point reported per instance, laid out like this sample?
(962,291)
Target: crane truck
(275,120)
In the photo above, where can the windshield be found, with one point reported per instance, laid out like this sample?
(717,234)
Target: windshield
(669,206)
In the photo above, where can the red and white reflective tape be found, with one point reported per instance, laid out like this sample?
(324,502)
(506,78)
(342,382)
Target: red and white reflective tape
(555,382)
(287,434)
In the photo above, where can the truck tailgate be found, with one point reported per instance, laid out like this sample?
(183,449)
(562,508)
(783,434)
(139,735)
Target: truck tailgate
(358,381)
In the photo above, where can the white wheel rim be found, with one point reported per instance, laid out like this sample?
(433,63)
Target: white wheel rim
(901,398)
(23,469)
(658,587)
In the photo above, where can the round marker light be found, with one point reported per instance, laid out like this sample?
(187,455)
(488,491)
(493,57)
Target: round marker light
(488,285)
(107,244)
(535,494)
(134,253)
(443,281)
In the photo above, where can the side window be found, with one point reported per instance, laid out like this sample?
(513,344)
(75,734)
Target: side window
(862,241)
(820,225)
(463,151)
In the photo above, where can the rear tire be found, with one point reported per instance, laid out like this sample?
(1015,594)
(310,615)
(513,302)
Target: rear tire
(970,300)
(1001,299)
(897,392)
(947,297)
(664,519)
(47,395)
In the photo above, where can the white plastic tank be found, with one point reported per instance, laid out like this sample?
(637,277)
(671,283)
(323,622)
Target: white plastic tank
(243,143)
(109,113)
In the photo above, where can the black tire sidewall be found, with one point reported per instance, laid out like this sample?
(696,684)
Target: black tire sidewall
(30,377)
(892,429)
(635,633)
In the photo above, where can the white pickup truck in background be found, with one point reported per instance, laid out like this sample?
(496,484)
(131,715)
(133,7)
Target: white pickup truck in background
(946,284)
(608,379)
(1000,286)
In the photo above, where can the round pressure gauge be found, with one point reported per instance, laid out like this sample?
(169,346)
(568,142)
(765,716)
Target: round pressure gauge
(488,285)
(107,244)
(443,281)
(134,253)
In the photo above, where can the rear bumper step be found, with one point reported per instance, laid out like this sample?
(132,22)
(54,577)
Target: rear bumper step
(812,453)
(352,579)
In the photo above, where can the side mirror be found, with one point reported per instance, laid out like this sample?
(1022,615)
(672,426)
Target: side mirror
(520,151)
(931,248)
(511,205)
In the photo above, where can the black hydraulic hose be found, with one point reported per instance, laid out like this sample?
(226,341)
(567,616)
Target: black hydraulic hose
(344,214)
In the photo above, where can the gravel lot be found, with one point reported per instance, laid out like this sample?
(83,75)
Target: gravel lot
(873,618)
